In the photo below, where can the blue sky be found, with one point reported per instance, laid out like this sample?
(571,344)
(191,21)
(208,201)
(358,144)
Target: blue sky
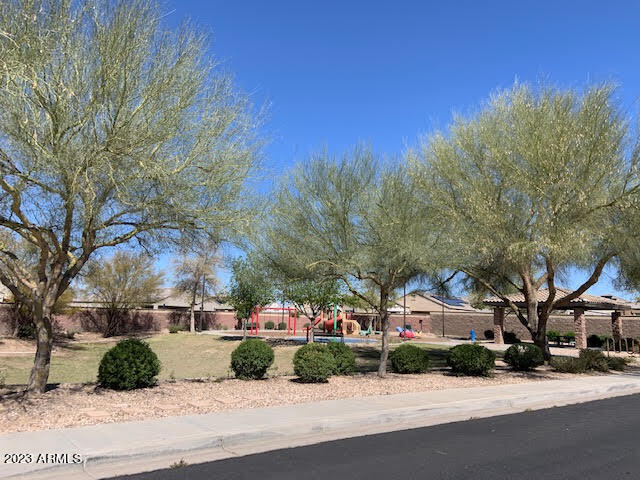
(336,73)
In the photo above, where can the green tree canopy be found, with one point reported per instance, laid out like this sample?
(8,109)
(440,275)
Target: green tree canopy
(312,296)
(195,277)
(119,284)
(248,288)
(113,128)
(352,219)
(533,184)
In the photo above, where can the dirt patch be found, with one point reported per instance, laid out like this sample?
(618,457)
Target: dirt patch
(75,405)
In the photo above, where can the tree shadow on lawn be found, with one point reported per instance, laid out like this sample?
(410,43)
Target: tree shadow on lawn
(367,358)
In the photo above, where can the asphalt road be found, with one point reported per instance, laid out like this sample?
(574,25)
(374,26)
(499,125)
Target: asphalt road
(596,440)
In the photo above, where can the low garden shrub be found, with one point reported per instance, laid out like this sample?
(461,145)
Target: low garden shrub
(251,359)
(553,335)
(568,364)
(617,363)
(175,328)
(511,337)
(344,357)
(471,359)
(130,364)
(282,326)
(488,334)
(569,336)
(313,363)
(269,325)
(523,356)
(409,359)
(594,360)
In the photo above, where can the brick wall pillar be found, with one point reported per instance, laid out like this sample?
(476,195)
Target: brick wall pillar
(616,325)
(498,325)
(580,326)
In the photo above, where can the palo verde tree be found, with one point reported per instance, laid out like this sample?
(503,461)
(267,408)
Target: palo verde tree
(119,284)
(113,129)
(350,219)
(312,296)
(533,184)
(196,278)
(248,288)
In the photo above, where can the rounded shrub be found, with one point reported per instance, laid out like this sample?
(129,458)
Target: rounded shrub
(523,356)
(130,364)
(282,326)
(251,359)
(568,364)
(409,359)
(174,328)
(617,363)
(313,363)
(344,357)
(489,334)
(594,360)
(471,359)
(269,325)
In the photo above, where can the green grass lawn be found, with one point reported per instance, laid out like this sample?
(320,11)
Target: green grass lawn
(182,355)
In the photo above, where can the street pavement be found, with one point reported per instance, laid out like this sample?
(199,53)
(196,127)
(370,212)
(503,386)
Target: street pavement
(595,440)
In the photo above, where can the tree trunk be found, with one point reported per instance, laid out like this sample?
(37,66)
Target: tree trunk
(384,318)
(44,338)
(540,337)
(384,354)
(192,311)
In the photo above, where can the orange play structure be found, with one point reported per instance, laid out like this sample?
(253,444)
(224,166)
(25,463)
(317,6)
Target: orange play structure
(345,324)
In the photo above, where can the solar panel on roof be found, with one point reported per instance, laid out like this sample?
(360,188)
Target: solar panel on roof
(454,302)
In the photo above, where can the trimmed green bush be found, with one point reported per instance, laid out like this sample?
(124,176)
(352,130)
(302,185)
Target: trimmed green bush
(489,334)
(282,326)
(570,336)
(251,359)
(510,337)
(568,364)
(130,364)
(523,356)
(471,359)
(175,328)
(344,357)
(269,325)
(618,363)
(553,336)
(594,360)
(313,363)
(409,359)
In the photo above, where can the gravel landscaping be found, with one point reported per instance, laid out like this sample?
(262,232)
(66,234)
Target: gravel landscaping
(74,405)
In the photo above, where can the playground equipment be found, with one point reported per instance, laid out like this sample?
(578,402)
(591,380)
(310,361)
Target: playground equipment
(406,333)
(254,323)
(338,324)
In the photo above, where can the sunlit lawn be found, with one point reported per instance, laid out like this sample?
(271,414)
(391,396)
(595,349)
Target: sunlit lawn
(182,355)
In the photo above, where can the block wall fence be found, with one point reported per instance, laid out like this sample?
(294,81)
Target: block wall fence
(456,324)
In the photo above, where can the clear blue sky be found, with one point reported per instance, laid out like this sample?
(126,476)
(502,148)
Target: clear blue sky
(336,73)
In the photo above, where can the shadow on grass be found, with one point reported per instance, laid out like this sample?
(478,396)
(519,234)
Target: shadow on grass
(367,358)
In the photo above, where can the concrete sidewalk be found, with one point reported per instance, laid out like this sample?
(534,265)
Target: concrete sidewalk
(120,448)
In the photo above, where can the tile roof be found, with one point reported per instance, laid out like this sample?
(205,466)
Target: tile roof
(585,300)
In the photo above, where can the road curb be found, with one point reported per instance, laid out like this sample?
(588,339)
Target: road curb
(161,452)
